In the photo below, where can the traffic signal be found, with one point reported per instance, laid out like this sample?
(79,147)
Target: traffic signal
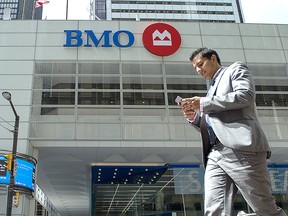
(16,199)
(8,161)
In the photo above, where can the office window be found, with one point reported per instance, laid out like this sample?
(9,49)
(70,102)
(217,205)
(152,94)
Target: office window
(144,68)
(143,98)
(99,82)
(99,68)
(145,83)
(98,98)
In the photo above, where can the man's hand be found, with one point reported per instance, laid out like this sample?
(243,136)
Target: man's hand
(189,106)
(191,103)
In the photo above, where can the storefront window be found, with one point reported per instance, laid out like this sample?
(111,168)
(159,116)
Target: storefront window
(179,191)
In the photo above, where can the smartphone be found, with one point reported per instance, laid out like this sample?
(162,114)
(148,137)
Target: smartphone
(178,99)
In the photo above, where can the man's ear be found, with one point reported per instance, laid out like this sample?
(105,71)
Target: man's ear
(213,58)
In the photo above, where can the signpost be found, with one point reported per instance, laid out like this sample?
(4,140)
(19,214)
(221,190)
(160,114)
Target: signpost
(16,170)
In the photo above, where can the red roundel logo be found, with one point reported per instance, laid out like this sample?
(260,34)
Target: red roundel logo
(161,39)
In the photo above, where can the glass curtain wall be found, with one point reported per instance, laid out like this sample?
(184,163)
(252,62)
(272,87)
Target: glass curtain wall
(116,101)
(178,192)
(202,11)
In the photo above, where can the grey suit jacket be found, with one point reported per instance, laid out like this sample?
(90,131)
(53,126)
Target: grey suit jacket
(232,110)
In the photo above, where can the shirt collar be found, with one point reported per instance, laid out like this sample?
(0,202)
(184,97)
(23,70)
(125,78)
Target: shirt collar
(212,81)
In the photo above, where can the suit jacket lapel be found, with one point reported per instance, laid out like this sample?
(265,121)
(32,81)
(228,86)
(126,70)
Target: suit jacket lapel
(206,147)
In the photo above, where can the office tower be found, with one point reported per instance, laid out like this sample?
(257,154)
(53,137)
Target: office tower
(19,9)
(227,11)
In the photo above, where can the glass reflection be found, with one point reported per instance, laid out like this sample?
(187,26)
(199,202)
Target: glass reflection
(99,82)
(144,83)
(99,68)
(143,98)
(272,100)
(142,68)
(60,98)
(179,80)
(179,191)
(98,98)
(53,68)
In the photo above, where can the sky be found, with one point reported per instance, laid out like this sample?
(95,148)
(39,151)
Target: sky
(254,11)
(56,9)
(265,11)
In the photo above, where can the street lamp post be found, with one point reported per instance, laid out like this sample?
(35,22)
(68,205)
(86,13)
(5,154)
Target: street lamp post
(11,185)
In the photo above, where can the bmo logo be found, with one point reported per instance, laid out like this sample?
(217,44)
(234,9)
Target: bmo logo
(161,39)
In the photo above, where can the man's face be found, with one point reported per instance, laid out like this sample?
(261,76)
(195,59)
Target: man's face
(205,67)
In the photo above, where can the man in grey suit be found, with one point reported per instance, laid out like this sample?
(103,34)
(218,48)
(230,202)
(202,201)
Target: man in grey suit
(235,147)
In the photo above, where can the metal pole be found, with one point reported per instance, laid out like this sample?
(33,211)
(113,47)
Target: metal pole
(13,167)
(67,9)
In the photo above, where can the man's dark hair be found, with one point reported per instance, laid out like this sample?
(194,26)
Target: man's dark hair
(205,52)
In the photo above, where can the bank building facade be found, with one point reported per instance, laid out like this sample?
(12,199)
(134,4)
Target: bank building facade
(97,112)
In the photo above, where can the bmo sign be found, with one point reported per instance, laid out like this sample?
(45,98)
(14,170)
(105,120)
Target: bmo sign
(159,38)
(74,38)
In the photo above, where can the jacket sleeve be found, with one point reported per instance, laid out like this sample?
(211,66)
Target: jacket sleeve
(196,122)
(235,90)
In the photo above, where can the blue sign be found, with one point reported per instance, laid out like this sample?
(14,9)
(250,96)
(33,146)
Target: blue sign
(191,180)
(74,38)
(279,179)
(25,173)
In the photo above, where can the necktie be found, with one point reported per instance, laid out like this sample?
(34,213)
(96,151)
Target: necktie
(212,82)
(211,134)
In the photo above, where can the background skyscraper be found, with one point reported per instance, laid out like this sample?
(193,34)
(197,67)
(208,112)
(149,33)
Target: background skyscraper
(169,10)
(20,9)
